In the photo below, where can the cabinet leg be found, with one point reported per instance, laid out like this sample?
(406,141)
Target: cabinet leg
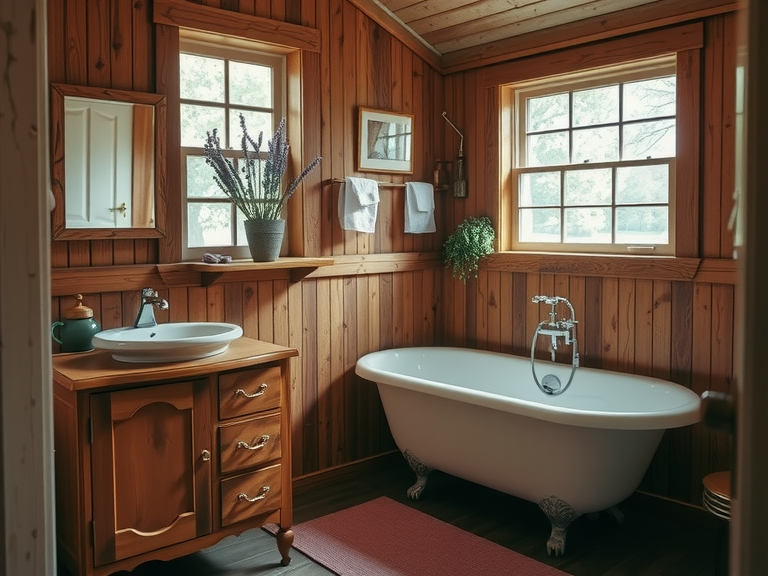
(284,542)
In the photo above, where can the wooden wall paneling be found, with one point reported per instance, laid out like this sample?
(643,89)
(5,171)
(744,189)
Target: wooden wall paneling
(233,304)
(76,49)
(111,313)
(177,304)
(121,41)
(643,327)
(577,296)
(143,44)
(728,170)
(330,112)
(481,309)
(625,323)
(101,252)
(251,310)
(281,334)
(386,321)
(323,371)
(167,82)
(351,385)
(215,308)
(334,417)
(368,427)
(376,419)
(56,41)
(712,137)
(306,407)
(266,312)
(609,352)
(79,253)
(534,314)
(592,338)
(351,104)
(506,298)
(493,310)
(295,339)
(123,252)
(521,344)
(681,439)
(701,360)
(98,42)
(662,320)
(305,212)
(59,254)
(687,183)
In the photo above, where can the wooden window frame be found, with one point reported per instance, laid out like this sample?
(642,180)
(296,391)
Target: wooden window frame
(686,42)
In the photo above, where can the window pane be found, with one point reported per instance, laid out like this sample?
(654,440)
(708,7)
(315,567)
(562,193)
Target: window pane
(596,106)
(209,224)
(547,149)
(588,225)
(596,145)
(255,122)
(650,98)
(655,139)
(642,225)
(548,113)
(200,183)
(540,225)
(588,187)
(240,230)
(201,78)
(642,184)
(197,120)
(250,84)
(540,189)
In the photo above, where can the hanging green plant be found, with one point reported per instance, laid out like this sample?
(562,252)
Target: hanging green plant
(463,250)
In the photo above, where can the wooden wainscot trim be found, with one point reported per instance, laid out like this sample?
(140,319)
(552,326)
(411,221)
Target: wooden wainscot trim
(290,268)
(194,16)
(592,265)
(96,279)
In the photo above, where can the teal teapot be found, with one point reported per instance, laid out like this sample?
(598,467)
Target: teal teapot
(75,331)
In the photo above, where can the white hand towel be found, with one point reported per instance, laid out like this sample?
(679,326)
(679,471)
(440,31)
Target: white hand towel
(358,204)
(419,207)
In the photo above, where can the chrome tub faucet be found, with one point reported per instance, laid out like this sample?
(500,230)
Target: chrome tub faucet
(149,301)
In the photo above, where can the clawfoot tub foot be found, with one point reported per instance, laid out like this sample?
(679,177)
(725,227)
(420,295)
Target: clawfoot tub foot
(560,515)
(421,470)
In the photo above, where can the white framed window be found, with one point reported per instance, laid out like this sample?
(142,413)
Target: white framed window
(218,84)
(593,160)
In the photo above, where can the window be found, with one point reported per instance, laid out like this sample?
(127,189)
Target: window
(593,167)
(217,85)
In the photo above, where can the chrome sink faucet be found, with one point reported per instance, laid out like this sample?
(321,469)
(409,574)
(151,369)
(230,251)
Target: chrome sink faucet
(149,301)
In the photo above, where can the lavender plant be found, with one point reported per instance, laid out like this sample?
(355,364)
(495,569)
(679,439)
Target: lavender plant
(257,193)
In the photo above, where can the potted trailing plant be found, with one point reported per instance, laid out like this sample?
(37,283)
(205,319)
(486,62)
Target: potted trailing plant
(463,250)
(255,186)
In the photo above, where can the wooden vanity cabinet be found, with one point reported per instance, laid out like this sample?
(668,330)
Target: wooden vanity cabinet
(155,461)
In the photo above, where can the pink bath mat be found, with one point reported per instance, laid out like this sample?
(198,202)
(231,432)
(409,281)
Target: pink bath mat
(385,538)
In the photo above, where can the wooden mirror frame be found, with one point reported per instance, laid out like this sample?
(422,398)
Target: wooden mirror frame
(59,228)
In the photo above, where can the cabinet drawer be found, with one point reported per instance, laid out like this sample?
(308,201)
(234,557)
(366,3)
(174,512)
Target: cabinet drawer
(251,494)
(249,391)
(251,443)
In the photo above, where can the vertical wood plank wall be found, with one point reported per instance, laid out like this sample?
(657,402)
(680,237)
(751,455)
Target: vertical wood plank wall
(673,329)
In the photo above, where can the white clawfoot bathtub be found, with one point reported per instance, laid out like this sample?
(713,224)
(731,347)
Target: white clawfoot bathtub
(479,416)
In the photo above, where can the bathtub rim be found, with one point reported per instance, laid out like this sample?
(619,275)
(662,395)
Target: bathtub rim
(680,416)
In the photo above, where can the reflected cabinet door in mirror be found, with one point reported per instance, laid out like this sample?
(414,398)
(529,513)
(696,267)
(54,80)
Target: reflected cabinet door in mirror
(108,163)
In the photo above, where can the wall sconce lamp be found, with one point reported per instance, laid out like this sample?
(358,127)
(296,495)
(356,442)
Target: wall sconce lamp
(442,168)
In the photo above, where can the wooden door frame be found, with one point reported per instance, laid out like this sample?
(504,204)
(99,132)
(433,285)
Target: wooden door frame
(749,514)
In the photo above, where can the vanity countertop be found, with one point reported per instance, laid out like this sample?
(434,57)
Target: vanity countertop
(85,370)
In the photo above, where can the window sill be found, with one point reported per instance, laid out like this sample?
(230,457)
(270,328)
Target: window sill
(642,267)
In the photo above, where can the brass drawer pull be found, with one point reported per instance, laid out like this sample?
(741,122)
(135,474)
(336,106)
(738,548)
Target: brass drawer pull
(260,496)
(259,391)
(260,444)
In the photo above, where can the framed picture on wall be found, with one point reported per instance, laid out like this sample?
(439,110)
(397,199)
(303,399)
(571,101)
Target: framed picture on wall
(385,142)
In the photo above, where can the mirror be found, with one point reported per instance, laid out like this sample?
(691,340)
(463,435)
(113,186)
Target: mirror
(108,163)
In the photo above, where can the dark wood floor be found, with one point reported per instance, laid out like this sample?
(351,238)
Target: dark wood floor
(657,538)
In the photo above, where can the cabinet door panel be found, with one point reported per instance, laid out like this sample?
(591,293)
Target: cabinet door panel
(148,488)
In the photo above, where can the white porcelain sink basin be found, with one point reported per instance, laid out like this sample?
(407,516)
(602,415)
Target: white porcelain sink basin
(172,342)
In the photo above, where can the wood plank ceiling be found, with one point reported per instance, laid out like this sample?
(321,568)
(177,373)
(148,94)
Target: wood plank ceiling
(452,25)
